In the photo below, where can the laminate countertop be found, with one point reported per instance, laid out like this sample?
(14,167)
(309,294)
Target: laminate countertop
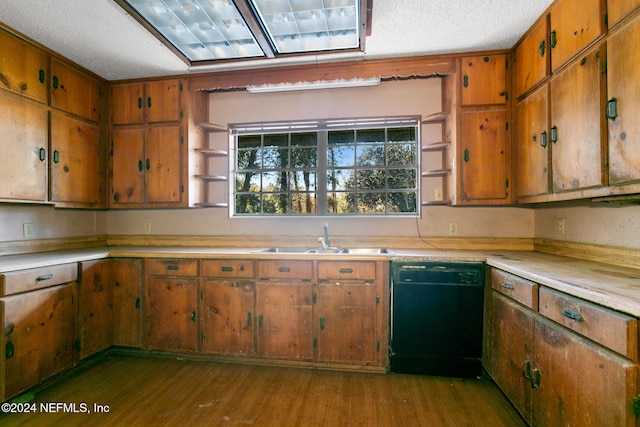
(608,285)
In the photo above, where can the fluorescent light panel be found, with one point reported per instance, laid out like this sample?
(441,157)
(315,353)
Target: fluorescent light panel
(322,84)
(205,30)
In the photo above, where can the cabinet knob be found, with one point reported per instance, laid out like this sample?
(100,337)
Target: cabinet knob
(8,350)
(612,109)
(541,48)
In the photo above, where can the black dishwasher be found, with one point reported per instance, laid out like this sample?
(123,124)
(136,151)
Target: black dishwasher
(436,318)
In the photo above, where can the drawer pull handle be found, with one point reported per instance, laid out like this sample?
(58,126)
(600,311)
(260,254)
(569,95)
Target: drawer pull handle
(507,285)
(173,267)
(543,139)
(322,323)
(226,269)
(8,350)
(526,370)
(284,269)
(572,314)
(612,109)
(45,277)
(42,154)
(346,270)
(535,378)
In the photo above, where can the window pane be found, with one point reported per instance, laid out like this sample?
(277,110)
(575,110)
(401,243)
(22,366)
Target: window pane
(340,179)
(341,149)
(370,155)
(275,152)
(402,179)
(304,203)
(303,181)
(371,179)
(402,202)
(247,203)
(340,203)
(249,159)
(370,135)
(248,181)
(401,134)
(401,154)
(371,203)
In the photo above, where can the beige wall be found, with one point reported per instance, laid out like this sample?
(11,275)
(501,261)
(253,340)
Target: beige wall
(584,221)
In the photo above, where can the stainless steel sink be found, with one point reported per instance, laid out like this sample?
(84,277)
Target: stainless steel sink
(367,251)
(308,250)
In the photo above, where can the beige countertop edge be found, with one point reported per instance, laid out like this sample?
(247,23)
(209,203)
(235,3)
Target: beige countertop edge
(610,286)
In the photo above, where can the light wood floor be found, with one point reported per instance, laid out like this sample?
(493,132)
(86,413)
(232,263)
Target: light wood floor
(169,392)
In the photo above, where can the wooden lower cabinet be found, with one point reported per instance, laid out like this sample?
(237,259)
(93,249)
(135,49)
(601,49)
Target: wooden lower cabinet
(96,309)
(580,383)
(285,320)
(553,375)
(511,351)
(172,315)
(347,322)
(39,337)
(227,317)
(126,281)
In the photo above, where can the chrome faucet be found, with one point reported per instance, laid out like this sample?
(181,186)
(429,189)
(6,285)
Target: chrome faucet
(326,243)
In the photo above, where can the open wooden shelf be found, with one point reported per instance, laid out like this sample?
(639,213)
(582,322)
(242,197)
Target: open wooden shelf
(436,146)
(212,178)
(212,205)
(211,127)
(434,173)
(435,118)
(209,152)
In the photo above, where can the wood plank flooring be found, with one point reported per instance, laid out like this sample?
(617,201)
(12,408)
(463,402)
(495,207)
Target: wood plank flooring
(143,391)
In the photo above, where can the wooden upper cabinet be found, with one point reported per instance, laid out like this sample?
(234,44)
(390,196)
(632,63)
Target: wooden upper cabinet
(484,80)
(163,164)
(618,9)
(24,148)
(574,25)
(127,183)
(127,103)
(76,161)
(163,101)
(576,130)
(484,157)
(532,58)
(532,144)
(623,69)
(23,68)
(75,92)
(151,102)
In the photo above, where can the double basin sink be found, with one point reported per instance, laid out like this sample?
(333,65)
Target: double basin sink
(309,250)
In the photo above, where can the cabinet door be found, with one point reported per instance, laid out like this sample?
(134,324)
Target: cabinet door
(126,278)
(618,9)
(95,295)
(75,92)
(163,101)
(577,149)
(127,182)
(163,164)
(580,383)
(24,130)
(39,335)
(532,58)
(77,174)
(127,104)
(347,322)
(574,25)
(22,68)
(227,317)
(623,69)
(484,160)
(511,330)
(484,80)
(173,316)
(284,320)
(532,144)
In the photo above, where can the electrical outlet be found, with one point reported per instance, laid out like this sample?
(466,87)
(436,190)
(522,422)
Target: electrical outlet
(438,195)
(453,228)
(147,228)
(27,230)
(560,225)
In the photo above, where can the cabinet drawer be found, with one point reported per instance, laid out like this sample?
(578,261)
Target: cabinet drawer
(228,268)
(609,328)
(37,278)
(172,267)
(517,288)
(347,270)
(285,269)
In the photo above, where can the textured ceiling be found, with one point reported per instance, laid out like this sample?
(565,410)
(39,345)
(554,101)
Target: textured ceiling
(102,37)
